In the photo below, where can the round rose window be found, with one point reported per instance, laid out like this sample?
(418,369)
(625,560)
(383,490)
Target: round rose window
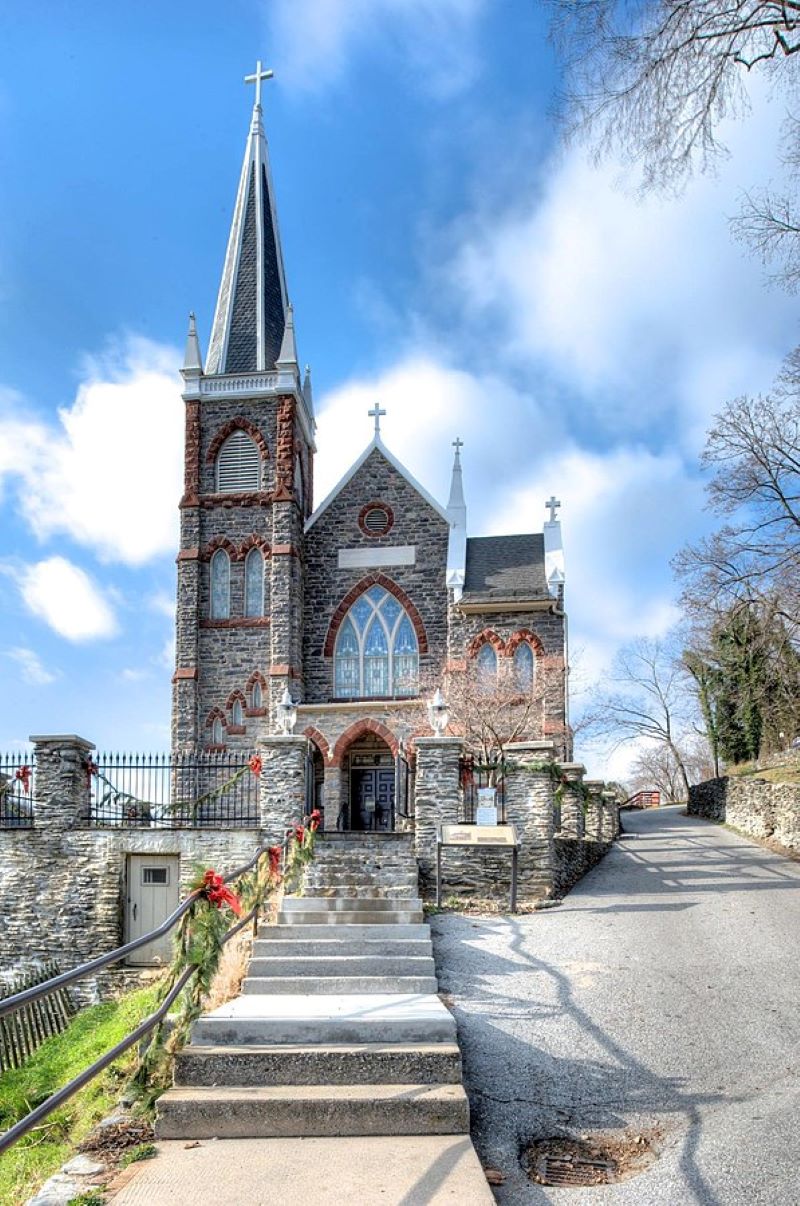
(375,520)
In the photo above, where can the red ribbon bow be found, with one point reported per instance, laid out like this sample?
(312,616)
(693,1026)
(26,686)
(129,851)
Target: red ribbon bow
(219,894)
(299,834)
(255,765)
(274,855)
(314,820)
(24,776)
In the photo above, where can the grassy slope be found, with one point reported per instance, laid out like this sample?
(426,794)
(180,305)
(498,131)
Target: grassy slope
(788,772)
(92,1032)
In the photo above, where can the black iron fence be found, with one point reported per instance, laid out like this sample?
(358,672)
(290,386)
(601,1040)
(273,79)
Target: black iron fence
(26,1029)
(173,791)
(483,786)
(16,791)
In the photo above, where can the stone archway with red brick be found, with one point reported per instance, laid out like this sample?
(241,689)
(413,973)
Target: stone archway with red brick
(360,728)
(356,592)
(319,741)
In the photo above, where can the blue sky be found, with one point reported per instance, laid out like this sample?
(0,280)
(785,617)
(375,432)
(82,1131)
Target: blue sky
(445,254)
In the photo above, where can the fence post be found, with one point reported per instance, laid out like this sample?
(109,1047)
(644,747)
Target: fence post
(61,781)
(437,796)
(282,791)
(594,809)
(609,824)
(529,806)
(573,820)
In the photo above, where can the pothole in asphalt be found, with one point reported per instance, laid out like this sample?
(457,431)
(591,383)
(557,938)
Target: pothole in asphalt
(601,1159)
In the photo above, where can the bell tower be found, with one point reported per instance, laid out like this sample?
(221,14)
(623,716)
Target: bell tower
(249,448)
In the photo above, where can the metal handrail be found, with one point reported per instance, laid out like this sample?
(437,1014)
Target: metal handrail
(30,1120)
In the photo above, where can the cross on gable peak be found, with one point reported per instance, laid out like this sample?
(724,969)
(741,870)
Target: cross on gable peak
(377,414)
(552,505)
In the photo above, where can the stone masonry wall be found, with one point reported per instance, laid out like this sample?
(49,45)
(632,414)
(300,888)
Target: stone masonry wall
(754,806)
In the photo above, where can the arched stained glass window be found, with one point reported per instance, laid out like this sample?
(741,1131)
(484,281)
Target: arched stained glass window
(255,695)
(487,667)
(220,586)
(524,667)
(237,713)
(216,731)
(254,583)
(377,652)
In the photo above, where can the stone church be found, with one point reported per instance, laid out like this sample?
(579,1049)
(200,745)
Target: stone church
(358,606)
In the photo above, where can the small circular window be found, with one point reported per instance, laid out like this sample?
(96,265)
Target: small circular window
(375,519)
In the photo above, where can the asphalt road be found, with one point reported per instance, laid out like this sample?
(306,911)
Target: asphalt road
(664,992)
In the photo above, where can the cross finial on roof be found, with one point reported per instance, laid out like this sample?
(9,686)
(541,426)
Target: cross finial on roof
(256,79)
(377,414)
(458,444)
(552,505)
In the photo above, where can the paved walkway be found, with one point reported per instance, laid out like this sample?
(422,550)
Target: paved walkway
(663,992)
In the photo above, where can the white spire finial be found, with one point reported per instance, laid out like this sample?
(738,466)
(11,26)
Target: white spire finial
(552,505)
(256,79)
(287,356)
(192,359)
(377,414)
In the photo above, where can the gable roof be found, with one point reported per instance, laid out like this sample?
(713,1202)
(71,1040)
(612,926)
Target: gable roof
(505,567)
(376,444)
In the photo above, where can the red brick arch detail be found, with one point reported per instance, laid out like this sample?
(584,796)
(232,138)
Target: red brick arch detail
(487,637)
(219,542)
(239,423)
(256,677)
(234,695)
(518,638)
(358,729)
(254,542)
(347,602)
(319,741)
(216,714)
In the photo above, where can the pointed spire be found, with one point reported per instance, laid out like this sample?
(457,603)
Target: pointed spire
(308,392)
(250,317)
(193,357)
(287,357)
(457,514)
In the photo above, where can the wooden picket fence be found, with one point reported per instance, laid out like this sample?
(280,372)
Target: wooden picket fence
(26,1029)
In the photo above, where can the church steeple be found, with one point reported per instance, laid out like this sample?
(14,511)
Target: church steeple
(250,318)
(457,514)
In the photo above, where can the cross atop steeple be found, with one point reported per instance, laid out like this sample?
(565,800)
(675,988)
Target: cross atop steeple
(377,414)
(552,505)
(458,444)
(256,79)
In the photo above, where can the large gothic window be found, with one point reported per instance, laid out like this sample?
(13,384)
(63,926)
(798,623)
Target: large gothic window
(220,585)
(238,465)
(376,649)
(254,583)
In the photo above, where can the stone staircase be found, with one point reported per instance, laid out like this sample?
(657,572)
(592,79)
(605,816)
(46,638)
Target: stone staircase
(338,1030)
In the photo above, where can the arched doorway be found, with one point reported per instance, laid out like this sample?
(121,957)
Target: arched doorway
(368,785)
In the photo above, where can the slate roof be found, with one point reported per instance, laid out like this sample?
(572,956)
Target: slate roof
(505,567)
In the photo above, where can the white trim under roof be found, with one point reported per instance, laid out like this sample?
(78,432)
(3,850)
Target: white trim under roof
(376,442)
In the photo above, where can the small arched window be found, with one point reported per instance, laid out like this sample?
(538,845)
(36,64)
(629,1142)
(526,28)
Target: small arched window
(377,652)
(254,583)
(256,696)
(524,667)
(220,586)
(238,465)
(486,662)
(237,713)
(216,731)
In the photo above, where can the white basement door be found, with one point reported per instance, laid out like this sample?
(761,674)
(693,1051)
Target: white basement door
(153,893)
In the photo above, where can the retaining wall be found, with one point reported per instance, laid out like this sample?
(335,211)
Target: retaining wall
(754,806)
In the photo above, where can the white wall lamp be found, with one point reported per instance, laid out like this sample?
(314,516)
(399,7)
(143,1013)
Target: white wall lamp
(438,713)
(287,713)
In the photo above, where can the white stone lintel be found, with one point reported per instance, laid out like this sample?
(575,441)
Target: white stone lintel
(400,554)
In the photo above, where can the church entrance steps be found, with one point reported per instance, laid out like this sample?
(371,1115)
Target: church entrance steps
(346,932)
(340,963)
(338,904)
(353,917)
(340,1064)
(267,1111)
(364,944)
(339,985)
(348,1018)
(352,891)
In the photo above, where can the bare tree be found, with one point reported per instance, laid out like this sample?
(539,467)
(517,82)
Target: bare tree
(647,698)
(753,453)
(653,82)
(656,768)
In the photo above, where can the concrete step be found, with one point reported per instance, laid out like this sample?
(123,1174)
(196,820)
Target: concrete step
(336,963)
(332,904)
(352,917)
(345,932)
(358,873)
(338,985)
(349,1018)
(340,1064)
(293,947)
(264,1111)
(356,891)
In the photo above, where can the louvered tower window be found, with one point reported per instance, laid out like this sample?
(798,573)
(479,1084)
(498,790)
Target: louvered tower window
(238,465)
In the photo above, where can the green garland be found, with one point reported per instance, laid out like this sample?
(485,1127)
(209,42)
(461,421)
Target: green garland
(560,781)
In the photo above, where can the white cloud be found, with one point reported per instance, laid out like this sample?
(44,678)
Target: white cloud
(67,599)
(32,669)
(435,39)
(109,475)
(131,674)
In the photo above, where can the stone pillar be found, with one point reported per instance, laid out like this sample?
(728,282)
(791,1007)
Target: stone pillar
(573,819)
(610,818)
(332,795)
(594,809)
(437,797)
(62,781)
(530,808)
(282,790)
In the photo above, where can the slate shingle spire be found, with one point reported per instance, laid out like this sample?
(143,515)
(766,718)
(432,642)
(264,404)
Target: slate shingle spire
(250,317)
